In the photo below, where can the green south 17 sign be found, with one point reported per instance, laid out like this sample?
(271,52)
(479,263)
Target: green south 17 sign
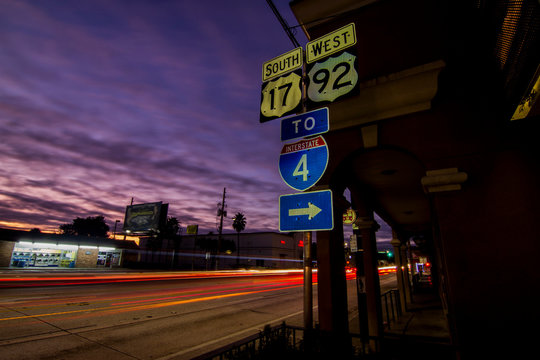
(281,96)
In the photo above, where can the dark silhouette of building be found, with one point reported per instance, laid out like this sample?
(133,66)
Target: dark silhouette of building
(439,139)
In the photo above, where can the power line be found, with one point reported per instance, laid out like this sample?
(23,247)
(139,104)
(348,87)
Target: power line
(283,23)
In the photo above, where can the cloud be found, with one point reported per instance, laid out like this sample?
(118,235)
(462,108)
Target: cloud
(102,101)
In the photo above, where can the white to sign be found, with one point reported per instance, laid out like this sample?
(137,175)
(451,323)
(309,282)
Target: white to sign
(332,78)
(281,96)
(331,43)
(306,124)
(282,64)
(303,163)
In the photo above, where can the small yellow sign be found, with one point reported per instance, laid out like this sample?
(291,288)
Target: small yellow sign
(331,43)
(349,217)
(282,64)
(192,229)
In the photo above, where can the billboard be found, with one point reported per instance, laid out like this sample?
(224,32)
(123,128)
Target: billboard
(144,218)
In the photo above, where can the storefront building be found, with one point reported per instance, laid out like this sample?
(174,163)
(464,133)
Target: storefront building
(21,249)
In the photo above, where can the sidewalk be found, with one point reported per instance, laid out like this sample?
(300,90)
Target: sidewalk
(420,333)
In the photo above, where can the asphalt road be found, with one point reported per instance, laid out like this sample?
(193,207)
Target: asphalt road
(135,318)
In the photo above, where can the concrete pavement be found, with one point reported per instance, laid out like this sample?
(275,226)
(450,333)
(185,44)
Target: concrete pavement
(420,333)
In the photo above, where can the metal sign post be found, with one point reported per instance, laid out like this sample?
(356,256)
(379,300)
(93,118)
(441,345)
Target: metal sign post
(308,285)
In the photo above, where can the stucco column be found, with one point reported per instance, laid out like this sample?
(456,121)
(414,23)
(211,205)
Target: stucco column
(332,286)
(396,243)
(367,227)
(405,273)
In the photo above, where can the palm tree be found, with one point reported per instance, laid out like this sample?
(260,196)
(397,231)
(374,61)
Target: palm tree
(239,224)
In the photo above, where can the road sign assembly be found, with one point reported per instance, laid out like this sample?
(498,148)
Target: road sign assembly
(331,73)
(307,124)
(309,211)
(303,163)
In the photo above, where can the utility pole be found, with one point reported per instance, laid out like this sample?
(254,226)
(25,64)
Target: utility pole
(125,224)
(221,213)
(308,286)
(115,224)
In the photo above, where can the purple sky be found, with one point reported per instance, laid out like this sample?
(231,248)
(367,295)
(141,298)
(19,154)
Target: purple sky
(104,100)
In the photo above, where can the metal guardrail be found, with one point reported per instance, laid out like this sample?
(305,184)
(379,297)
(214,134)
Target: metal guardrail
(277,339)
(391,306)
(290,340)
(284,342)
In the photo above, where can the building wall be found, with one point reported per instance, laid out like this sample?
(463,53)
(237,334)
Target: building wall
(59,243)
(481,229)
(6,249)
(86,258)
(266,249)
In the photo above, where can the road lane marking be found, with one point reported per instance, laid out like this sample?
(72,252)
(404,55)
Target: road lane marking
(147,306)
(236,334)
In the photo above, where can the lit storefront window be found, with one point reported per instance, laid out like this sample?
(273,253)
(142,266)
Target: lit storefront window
(30,254)
(27,254)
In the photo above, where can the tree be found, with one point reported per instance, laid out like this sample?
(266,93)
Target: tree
(171,228)
(239,224)
(90,226)
(67,229)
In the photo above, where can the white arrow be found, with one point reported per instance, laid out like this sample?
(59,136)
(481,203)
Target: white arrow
(311,211)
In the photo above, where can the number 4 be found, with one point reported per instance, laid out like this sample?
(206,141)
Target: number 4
(301,168)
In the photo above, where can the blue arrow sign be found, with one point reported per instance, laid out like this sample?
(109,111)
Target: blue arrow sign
(303,163)
(311,211)
(310,123)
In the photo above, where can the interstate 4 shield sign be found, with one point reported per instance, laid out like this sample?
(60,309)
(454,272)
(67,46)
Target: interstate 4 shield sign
(302,164)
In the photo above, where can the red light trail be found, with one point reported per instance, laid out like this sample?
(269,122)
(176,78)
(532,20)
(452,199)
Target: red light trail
(151,299)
